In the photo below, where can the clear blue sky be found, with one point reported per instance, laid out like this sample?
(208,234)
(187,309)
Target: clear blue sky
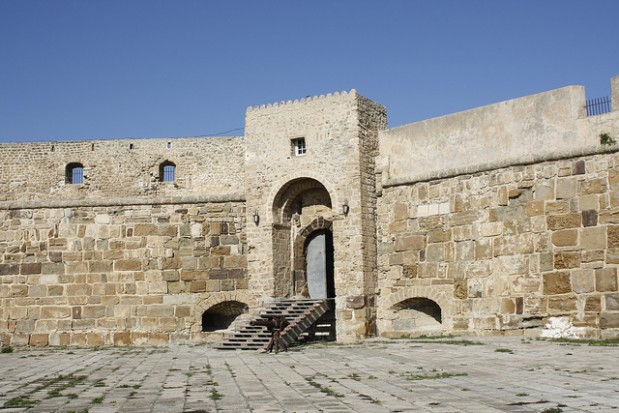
(75,69)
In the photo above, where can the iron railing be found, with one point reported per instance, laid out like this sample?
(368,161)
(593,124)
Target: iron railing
(598,106)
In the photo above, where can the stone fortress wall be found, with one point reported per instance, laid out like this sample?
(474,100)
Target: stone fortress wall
(506,216)
(122,258)
(501,219)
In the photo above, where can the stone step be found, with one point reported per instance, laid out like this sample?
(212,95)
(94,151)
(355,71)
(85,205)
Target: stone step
(301,314)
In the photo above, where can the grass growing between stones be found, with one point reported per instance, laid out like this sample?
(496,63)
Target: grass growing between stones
(354,376)
(55,385)
(453,340)
(60,384)
(19,401)
(323,389)
(370,399)
(552,410)
(215,395)
(429,376)
(127,386)
(609,342)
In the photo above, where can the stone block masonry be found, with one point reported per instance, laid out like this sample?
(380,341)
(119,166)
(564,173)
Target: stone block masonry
(499,220)
(520,246)
(116,275)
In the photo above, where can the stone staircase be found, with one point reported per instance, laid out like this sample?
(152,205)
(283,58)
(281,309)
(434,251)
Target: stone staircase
(303,316)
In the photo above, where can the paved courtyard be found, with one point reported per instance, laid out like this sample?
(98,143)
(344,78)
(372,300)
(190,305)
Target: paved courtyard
(456,375)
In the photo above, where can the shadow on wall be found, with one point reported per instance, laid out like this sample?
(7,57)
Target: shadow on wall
(417,315)
(221,316)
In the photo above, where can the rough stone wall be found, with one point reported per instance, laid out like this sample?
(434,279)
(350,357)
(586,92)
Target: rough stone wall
(372,119)
(510,240)
(506,249)
(116,275)
(499,219)
(122,258)
(121,168)
(338,157)
(525,130)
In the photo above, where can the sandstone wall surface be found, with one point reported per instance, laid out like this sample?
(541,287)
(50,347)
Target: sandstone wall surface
(502,219)
(131,274)
(122,258)
(121,168)
(531,129)
(340,132)
(505,250)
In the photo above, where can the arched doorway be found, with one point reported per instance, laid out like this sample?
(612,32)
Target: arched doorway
(319,264)
(301,206)
(303,259)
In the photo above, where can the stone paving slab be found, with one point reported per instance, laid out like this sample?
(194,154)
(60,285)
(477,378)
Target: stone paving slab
(497,374)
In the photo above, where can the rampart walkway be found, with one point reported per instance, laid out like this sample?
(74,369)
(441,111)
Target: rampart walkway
(500,375)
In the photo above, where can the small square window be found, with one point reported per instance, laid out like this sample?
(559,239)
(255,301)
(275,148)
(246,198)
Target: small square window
(74,173)
(167,171)
(299,147)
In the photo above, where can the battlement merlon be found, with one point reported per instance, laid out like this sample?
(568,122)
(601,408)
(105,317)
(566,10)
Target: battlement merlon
(314,103)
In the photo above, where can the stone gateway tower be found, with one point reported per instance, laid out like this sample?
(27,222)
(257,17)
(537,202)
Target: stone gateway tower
(499,220)
(310,184)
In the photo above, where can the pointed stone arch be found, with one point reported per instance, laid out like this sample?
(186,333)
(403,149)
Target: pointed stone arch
(300,203)
(296,195)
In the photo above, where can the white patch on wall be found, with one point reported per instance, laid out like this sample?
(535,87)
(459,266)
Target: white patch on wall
(562,327)
(428,210)
(196,230)
(102,219)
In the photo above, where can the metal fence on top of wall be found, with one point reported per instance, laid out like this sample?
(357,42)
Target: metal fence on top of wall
(599,106)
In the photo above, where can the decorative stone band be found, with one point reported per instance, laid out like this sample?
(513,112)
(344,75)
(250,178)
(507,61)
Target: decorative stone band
(528,160)
(107,202)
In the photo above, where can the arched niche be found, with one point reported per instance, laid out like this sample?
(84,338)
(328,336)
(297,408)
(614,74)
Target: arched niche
(417,315)
(222,315)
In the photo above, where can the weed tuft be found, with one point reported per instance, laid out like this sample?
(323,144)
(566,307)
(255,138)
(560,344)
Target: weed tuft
(215,395)
(606,139)
(552,410)
(19,401)
(443,375)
